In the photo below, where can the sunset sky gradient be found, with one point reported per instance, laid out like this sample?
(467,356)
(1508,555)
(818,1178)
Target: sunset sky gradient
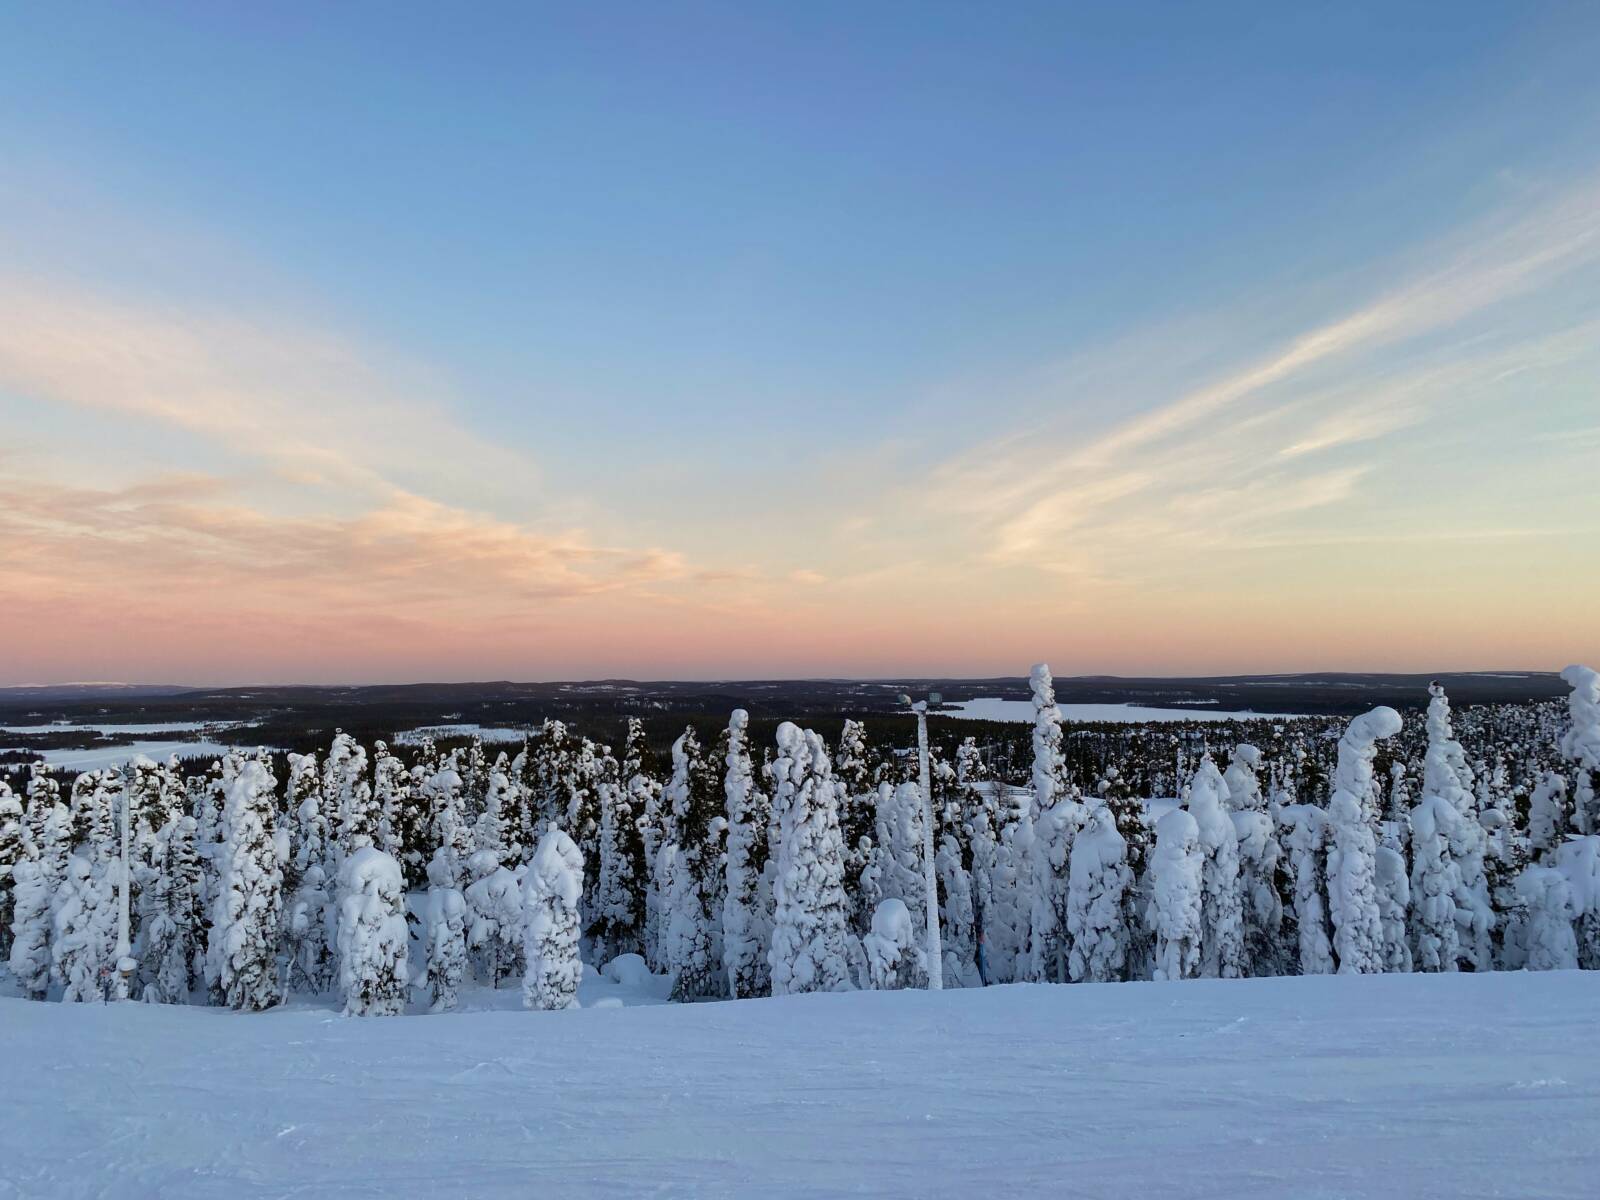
(377,343)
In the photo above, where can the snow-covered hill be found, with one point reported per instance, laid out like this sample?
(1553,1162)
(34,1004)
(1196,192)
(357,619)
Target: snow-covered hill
(1388,1085)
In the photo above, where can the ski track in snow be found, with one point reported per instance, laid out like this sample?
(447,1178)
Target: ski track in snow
(1335,1086)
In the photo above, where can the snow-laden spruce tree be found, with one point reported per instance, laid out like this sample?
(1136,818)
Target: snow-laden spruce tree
(746,922)
(1176,893)
(1447,776)
(1049,861)
(246,924)
(37,877)
(447,938)
(550,896)
(1259,855)
(1547,926)
(1221,906)
(1009,919)
(372,935)
(893,950)
(11,853)
(1394,898)
(167,932)
(1435,880)
(1395,831)
(450,833)
(1054,819)
(897,852)
(302,807)
(1305,839)
(347,795)
(688,874)
(958,938)
(1549,816)
(857,811)
(1580,745)
(83,933)
(811,949)
(390,783)
(615,911)
(1097,893)
(499,798)
(494,913)
(1352,847)
(1578,859)
(672,801)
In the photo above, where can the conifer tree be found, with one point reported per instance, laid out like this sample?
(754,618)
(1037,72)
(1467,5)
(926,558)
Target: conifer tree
(746,923)
(689,874)
(1260,855)
(390,783)
(347,795)
(1306,840)
(11,853)
(372,934)
(249,905)
(1221,907)
(616,906)
(1352,888)
(1447,776)
(37,878)
(447,939)
(167,925)
(810,940)
(550,898)
(957,919)
(1099,881)
(1176,895)
(83,930)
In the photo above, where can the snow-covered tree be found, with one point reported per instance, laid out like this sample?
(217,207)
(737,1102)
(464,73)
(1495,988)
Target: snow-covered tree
(1435,880)
(1221,909)
(36,880)
(1352,848)
(893,951)
(615,909)
(551,892)
(499,799)
(1580,745)
(1259,854)
(810,949)
(347,795)
(1547,933)
(746,922)
(390,784)
(1097,894)
(83,934)
(958,936)
(1176,893)
(450,833)
(1306,840)
(1578,860)
(246,924)
(1549,816)
(167,932)
(1394,898)
(447,938)
(1049,860)
(494,913)
(689,874)
(372,935)
(11,853)
(1447,776)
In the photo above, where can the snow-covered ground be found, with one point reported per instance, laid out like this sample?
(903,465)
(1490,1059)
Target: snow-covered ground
(1374,1086)
(96,757)
(992,708)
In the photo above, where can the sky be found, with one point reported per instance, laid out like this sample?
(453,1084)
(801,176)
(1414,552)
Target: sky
(385,342)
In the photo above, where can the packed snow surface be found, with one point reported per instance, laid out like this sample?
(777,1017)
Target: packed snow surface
(1331,1086)
(992,708)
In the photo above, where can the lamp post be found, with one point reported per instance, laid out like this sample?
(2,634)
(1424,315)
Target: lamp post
(929,874)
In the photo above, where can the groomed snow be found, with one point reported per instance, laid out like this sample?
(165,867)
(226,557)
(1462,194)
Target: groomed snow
(992,708)
(1333,1086)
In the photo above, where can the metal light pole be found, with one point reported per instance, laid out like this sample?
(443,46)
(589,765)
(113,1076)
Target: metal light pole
(125,963)
(929,874)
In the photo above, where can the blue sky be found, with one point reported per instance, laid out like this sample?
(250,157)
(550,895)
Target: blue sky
(682,278)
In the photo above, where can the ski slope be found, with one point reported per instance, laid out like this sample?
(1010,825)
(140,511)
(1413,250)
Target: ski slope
(1395,1085)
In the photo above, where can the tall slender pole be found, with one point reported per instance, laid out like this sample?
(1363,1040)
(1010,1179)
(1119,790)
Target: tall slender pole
(125,962)
(930,876)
